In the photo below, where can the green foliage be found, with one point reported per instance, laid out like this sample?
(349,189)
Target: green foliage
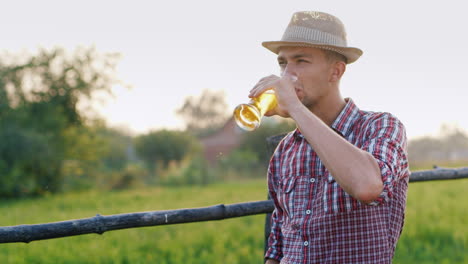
(251,158)
(27,163)
(163,146)
(192,171)
(435,226)
(118,148)
(237,240)
(253,154)
(256,141)
(241,160)
(131,176)
(56,80)
(174,157)
(42,129)
(100,157)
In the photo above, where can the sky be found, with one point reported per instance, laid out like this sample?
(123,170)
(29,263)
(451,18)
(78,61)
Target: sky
(414,62)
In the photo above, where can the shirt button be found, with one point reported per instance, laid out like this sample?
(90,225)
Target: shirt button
(308,212)
(312,180)
(306,243)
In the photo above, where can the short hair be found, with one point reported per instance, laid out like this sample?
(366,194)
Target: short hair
(333,56)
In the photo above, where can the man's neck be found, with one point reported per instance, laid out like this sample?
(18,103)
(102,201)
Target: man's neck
(329,108)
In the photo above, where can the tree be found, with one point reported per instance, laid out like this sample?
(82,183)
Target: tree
(119,149)
(39,98)
(252,155)
(54,78)
(27,162)
(163,146)
(256,141)
(205,113)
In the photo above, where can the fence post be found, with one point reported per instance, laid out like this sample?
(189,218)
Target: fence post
(272,143)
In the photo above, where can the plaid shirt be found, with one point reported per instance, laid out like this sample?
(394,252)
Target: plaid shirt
(315,220)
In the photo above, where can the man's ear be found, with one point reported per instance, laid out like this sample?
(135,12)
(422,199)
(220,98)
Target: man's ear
(338,69)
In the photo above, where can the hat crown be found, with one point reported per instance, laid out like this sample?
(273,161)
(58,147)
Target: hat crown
(318,30)
(316,26)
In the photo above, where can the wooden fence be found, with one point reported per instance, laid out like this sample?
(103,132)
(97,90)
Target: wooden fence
(100,224)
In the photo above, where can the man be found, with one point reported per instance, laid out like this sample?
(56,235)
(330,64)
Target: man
(339,181)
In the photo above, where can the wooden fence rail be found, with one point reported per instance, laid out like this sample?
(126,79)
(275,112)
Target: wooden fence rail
(100,224)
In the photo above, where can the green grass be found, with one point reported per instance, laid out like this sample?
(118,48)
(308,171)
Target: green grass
(436,226)
(237,240)
(435,230)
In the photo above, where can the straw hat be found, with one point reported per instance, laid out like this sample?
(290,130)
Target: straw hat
(318,30)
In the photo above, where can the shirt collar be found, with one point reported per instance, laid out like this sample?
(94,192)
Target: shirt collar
(345,120)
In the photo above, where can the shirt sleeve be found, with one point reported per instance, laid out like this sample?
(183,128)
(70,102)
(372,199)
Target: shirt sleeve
(386,141)
(275,241)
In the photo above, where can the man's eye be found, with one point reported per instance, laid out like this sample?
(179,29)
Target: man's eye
(282,64)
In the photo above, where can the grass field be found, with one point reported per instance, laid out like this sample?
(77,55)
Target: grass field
(435,232)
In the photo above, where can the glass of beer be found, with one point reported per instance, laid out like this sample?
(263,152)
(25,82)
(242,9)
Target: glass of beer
(248,116)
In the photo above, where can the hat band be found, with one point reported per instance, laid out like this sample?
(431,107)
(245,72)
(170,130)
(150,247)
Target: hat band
(313,36)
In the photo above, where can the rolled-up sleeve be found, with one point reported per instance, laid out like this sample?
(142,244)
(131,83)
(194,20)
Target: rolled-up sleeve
(386,141)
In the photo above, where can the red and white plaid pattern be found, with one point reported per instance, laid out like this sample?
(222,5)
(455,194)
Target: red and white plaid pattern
(314,220)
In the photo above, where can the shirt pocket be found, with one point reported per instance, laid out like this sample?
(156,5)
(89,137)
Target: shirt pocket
(286,195)
(293,195)
(335,199)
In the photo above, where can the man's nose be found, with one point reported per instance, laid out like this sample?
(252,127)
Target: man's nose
(289,71)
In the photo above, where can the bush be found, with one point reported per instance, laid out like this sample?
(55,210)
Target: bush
(191,171)
(163,147)
(240,160)
(256,141)
(28,163)
(133,175)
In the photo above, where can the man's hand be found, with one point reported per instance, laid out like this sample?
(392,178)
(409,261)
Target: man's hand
(284,90)
(272,261)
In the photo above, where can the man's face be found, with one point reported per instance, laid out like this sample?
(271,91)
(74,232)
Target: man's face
(312,69)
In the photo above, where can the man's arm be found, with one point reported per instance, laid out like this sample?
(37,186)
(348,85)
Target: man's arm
(368,173)
(355,170)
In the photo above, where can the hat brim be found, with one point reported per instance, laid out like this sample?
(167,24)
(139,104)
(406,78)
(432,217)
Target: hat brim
(351,54)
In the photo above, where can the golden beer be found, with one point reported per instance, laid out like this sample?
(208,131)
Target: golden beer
(248,116)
